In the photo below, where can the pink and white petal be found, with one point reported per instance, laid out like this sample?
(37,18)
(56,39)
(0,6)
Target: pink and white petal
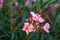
(47,31)
(26,24)
(30,28)
(38,15)
(34,18)
(47,25)
(24,28)
(41,20)
(33,14)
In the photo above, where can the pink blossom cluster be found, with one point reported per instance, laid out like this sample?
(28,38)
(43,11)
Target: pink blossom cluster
(1,3)
(32,24)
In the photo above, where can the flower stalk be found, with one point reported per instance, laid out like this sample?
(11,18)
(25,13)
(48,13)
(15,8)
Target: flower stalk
(42,37)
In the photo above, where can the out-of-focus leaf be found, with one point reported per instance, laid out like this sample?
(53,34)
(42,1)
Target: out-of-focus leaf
(12,36)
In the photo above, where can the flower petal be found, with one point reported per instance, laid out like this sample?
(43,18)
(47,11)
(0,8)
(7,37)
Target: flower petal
(41,20)
(46,27)
(33,14)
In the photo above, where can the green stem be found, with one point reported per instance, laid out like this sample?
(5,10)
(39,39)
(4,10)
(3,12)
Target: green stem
(16,36)
(27,37)
(42,37)
(41,3)
(37,35)
(11,15)
(12,25)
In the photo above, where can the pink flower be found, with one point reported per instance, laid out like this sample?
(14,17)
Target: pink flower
(1,3)
(28,28)
(16,3)
(28,3)
(46,27)
(53,6)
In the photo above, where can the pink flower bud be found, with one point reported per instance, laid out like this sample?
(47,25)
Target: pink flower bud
(54,6)
(40,11)
(46,16)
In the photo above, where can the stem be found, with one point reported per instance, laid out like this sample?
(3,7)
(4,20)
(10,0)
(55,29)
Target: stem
(12,25)
(16,37)
(41,2)
(42,37)
(27,37)
(11,15)
(37,35)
